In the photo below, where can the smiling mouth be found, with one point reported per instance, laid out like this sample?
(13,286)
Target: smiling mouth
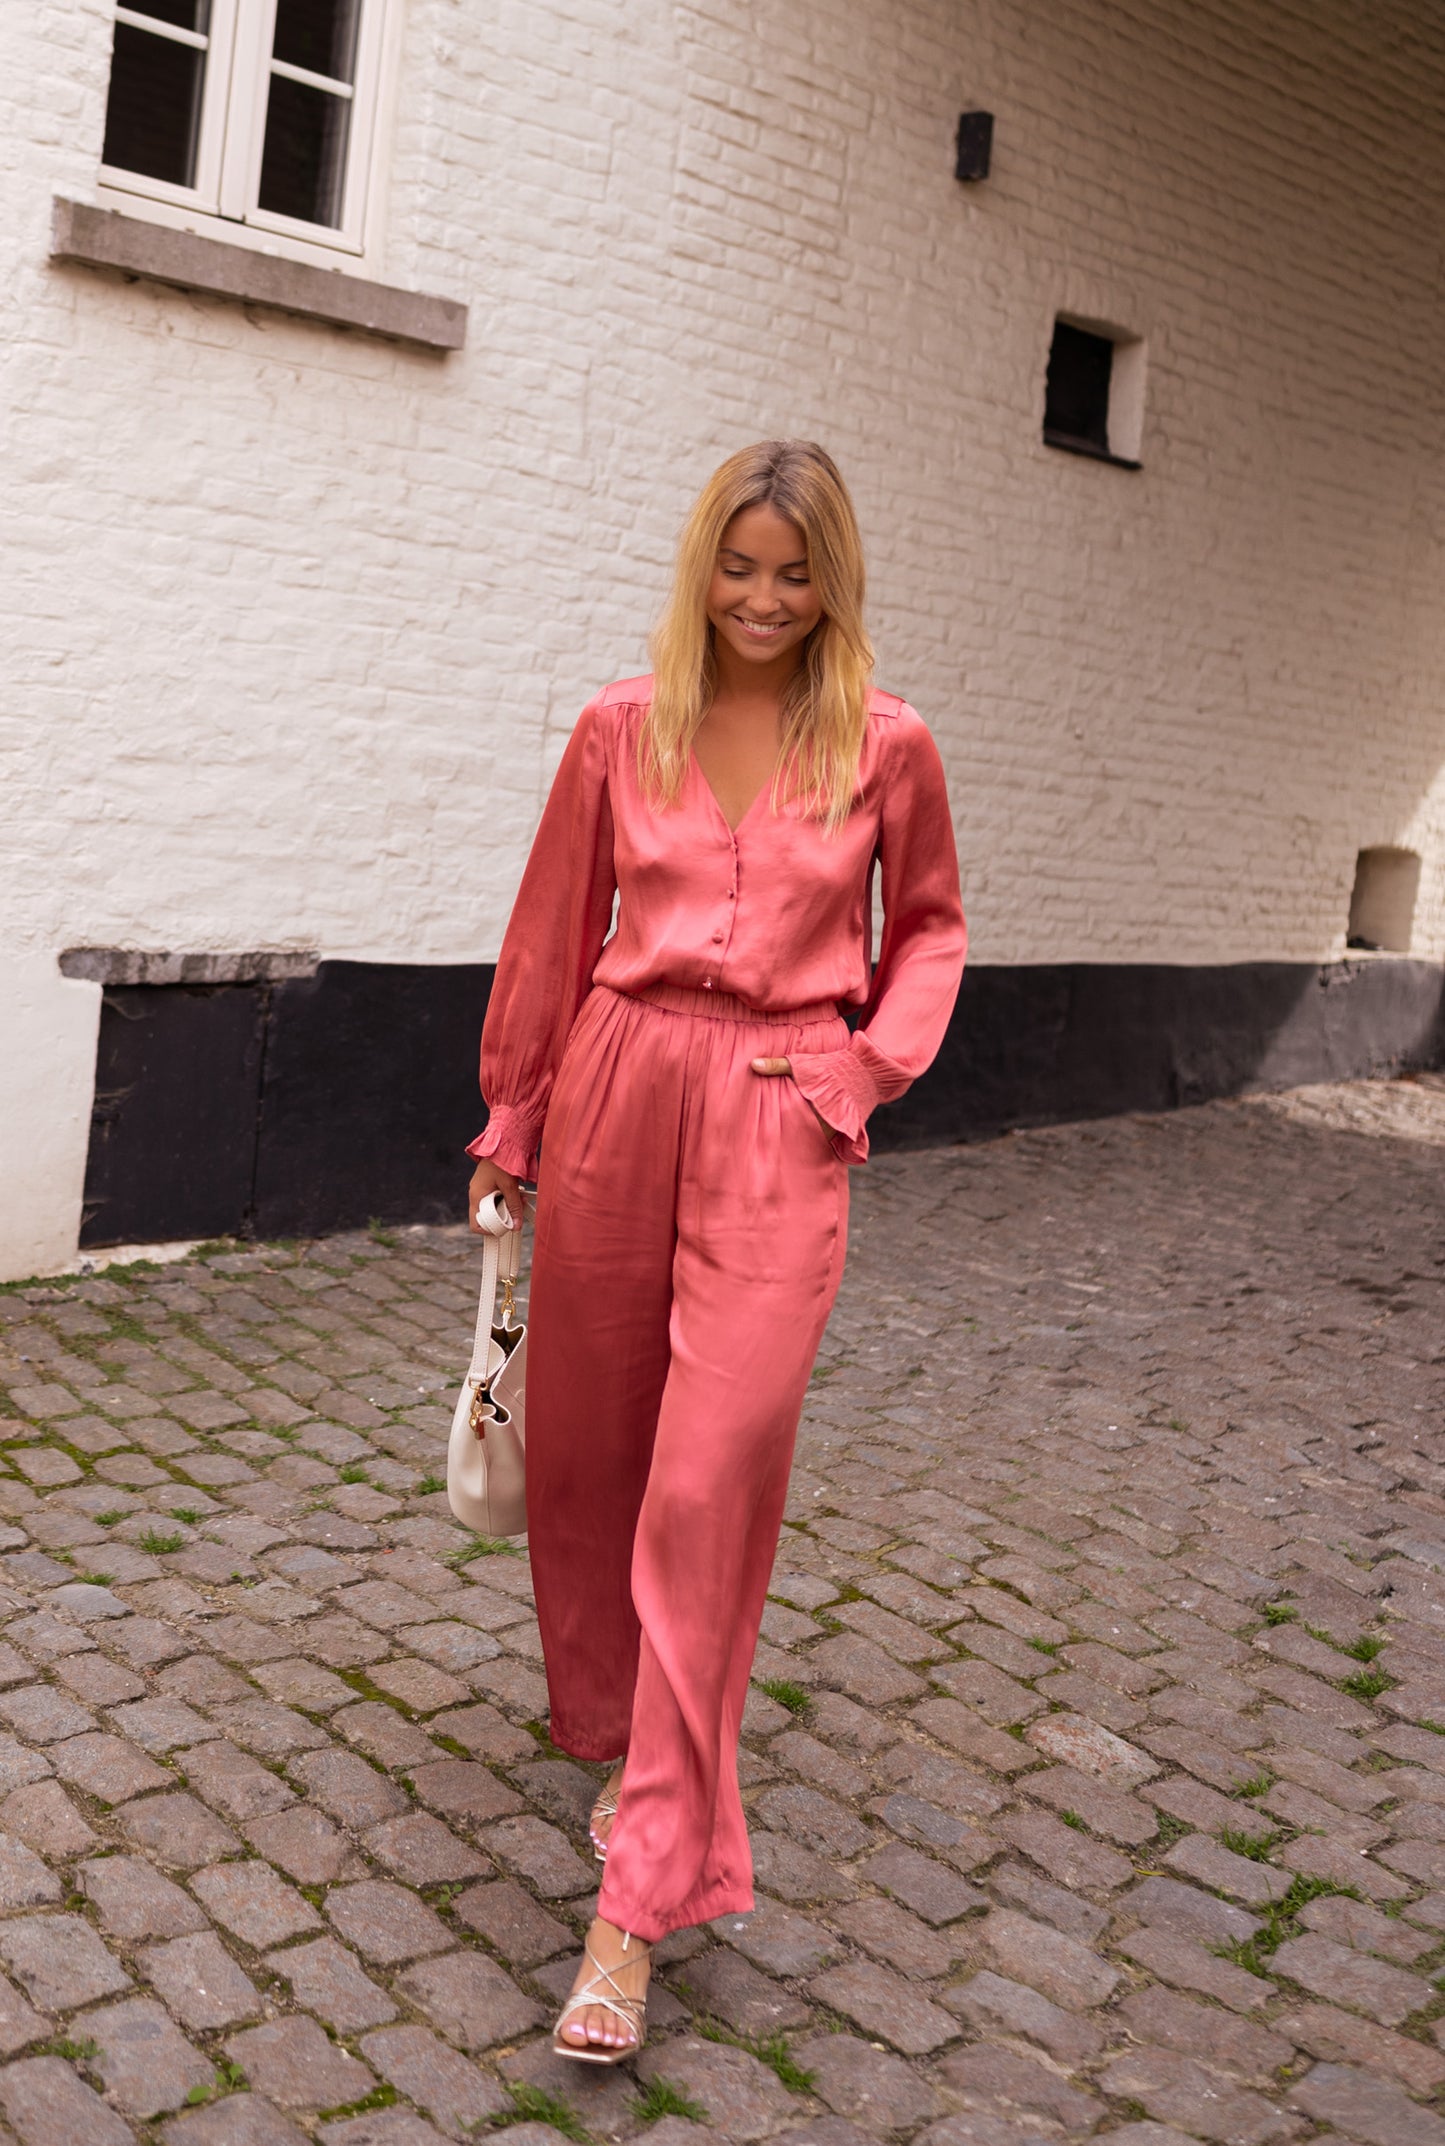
(757,631)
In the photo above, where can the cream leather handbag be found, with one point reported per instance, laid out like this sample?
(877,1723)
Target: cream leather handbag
(485,1455)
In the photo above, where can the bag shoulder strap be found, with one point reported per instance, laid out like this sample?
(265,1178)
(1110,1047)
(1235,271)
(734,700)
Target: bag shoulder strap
(501,1260)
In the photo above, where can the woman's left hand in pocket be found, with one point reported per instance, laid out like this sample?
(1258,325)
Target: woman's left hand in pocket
(782,1069)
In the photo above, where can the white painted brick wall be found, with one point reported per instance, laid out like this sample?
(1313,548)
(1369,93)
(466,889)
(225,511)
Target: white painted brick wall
(295,621)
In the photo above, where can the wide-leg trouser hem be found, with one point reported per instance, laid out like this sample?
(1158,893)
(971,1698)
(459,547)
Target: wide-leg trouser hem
(595,1751)
(652,1927)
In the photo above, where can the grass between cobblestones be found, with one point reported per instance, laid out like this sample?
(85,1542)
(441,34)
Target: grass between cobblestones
(660,2098)
(534,2105)
(771,2050)
(1281,1922)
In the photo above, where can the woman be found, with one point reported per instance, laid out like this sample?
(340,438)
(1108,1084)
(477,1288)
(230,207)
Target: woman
(702,1097)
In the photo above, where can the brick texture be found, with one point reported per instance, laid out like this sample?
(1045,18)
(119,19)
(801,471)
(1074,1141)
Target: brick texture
(294,610)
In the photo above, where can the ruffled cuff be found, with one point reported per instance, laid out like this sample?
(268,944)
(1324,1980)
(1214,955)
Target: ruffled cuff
(841,1089)
(844,1087)
(511,1140)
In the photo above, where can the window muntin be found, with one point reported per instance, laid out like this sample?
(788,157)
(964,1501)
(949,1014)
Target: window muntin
(259,112)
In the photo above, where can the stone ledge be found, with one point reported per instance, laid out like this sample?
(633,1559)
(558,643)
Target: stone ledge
(106,238)
(136,965)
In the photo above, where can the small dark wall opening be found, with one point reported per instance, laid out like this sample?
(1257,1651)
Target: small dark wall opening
(1382,900)
(1076,391)
(1094,392)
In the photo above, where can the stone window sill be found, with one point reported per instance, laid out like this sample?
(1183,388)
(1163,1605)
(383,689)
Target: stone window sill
(106,238)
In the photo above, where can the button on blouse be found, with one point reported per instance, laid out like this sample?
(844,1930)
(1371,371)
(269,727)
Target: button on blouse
(777,912)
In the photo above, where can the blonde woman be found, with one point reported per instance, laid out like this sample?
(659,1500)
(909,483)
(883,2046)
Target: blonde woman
(702,1098)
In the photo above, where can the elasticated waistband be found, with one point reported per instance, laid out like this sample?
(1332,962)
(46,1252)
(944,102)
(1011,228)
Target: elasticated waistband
(722,1006)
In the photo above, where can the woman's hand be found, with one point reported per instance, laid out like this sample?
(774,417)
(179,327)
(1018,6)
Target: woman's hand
(782,1069)
(487,1178)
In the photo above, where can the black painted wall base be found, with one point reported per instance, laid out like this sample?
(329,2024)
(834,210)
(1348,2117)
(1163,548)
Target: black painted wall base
(285,1109)
(1037,1045)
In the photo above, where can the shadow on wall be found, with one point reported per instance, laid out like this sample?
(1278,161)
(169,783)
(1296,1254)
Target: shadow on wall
(289,1107)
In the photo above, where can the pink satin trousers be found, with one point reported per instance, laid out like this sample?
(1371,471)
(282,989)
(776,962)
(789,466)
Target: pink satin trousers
(691,1230)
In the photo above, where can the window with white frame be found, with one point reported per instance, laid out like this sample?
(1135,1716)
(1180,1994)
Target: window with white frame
(259,112)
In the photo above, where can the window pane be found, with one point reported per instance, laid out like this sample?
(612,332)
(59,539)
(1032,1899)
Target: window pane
(319,35)
(303,163)
(154,106)
(185,14)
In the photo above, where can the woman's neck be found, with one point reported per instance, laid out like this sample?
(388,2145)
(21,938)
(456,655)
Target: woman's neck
(751,688)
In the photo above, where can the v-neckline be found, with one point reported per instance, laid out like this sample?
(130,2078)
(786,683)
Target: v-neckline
(733,830)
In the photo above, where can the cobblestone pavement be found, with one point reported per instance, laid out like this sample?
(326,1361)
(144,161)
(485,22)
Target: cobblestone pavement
(1097,1759)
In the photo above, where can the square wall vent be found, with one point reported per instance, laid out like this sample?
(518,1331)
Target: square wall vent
(1382,901)
(1094,392)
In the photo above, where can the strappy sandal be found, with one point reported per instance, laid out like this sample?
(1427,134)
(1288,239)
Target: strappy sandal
(603,1990)
(604,1807)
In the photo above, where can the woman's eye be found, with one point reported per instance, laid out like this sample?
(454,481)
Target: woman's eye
(735,573)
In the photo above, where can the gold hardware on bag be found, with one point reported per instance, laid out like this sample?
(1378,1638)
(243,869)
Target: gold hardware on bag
(509,1302)
(481,1400)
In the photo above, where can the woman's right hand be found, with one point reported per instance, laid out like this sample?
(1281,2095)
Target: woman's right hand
(487,1178)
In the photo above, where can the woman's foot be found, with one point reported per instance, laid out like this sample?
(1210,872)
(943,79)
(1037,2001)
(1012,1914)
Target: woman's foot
(604,2019)
(604,1810)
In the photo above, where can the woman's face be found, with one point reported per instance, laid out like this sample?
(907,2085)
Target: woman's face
(761,602)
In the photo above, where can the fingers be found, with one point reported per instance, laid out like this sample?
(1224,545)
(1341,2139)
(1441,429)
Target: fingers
(488,1182)
(513,1199)
(773,1066)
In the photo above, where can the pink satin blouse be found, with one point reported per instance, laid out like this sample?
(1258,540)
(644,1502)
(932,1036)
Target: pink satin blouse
(777,913)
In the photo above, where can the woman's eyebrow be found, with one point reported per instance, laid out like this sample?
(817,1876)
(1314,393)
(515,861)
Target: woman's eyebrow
(730,551)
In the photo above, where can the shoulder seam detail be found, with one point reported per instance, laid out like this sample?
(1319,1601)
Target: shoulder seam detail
(628,692)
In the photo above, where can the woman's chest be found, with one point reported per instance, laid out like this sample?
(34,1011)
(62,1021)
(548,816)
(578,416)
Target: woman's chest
(739,768)
(777,860)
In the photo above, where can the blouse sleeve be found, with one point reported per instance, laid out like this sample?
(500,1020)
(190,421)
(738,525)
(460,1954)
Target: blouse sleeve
(559,921)
(920,962)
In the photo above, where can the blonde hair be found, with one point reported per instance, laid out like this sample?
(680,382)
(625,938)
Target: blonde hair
(825,705)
